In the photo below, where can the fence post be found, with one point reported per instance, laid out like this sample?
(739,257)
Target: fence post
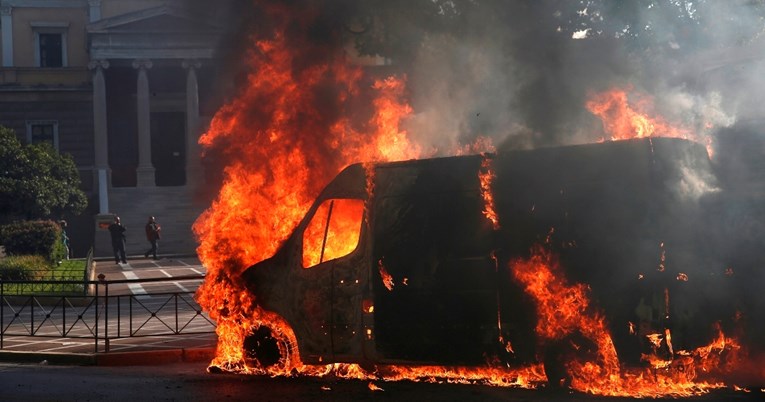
(32,315)
(86,276)
(102,281)
(2,313)
(176,314)
(106,313)
(96,316)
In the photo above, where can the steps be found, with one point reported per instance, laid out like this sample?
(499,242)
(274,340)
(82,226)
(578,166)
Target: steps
(175,210)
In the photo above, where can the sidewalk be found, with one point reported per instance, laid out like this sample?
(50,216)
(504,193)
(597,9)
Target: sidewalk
(135,350)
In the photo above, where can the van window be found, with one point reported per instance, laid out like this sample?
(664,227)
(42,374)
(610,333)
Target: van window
(333,232)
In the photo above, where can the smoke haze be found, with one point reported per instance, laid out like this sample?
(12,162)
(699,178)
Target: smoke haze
(513,71)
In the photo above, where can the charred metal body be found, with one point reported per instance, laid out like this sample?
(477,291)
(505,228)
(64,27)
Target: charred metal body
(430,281)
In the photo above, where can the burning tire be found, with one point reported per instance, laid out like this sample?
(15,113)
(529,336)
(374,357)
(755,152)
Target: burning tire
(559,355)
(265,350)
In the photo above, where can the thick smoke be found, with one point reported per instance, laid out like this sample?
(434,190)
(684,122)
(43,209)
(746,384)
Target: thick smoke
(513,71)
(516,74)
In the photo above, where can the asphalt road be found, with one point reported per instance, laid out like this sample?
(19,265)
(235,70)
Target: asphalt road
(191,382)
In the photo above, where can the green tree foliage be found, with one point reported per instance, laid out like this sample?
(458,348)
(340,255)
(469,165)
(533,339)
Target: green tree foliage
(396,28)
(36,181)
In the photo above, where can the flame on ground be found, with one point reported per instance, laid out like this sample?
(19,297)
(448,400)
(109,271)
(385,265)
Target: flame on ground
(566,316)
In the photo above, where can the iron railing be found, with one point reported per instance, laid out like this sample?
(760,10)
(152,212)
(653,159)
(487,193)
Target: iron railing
(103,317)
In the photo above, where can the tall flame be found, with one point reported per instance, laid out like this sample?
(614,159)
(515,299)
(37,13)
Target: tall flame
(283,137)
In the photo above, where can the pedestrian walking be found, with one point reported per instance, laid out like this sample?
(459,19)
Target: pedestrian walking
(118,240)
(152,235)
(64,238)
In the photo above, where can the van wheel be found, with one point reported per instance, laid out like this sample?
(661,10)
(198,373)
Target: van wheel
(265,351)
(559,354)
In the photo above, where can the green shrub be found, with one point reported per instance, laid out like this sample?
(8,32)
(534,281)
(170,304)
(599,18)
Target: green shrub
(23,268)
(41,238)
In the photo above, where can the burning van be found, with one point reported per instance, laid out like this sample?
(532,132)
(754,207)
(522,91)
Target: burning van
(412,262)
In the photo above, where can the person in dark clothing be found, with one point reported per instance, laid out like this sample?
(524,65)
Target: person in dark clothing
(153,236)
(118,240)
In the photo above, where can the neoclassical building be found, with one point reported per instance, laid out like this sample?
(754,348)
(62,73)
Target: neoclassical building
(125,87)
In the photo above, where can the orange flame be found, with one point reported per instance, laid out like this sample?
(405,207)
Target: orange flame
(486,176)
(623,120)
(386,277)
(373,387)
(280,151)
(564,310)
(334,231)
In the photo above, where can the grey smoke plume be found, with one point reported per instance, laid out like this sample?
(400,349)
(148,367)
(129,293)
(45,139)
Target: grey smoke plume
(516,73)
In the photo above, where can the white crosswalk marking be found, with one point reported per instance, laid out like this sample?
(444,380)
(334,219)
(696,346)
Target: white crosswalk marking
(135,288)
(183,288)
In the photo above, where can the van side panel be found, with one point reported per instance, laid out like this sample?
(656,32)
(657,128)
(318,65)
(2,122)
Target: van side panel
(614,211)
(431,237)
(439,278)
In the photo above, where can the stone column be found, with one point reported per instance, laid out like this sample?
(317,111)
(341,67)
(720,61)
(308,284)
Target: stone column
(95,10)
(102,240)
(100,142)
(6,23)
(145,170)
(194,174)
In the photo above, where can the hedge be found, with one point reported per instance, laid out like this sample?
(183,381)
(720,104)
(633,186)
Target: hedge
(23,268)
(43,238)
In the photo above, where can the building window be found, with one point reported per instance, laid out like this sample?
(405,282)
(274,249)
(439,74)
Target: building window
(51,53)
(43,131)
(50,43)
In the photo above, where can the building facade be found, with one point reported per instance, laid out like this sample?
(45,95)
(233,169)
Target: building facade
(125,87)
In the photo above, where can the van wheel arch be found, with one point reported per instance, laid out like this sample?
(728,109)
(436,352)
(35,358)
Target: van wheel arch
(558,354)
(264,349)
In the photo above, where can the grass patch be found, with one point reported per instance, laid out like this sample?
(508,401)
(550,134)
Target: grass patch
(34,274)
(70,270)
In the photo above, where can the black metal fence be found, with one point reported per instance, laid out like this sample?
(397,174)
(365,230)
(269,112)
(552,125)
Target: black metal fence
(102,311)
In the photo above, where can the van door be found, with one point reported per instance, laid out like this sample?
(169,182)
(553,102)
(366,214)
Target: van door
(331,248)
(435,288)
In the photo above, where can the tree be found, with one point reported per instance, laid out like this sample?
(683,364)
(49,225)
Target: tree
(396,28)
(36,181)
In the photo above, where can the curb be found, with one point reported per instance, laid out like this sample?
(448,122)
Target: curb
(81,359)
(136,358)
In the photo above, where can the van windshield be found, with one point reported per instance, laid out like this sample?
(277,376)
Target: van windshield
(333,232)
